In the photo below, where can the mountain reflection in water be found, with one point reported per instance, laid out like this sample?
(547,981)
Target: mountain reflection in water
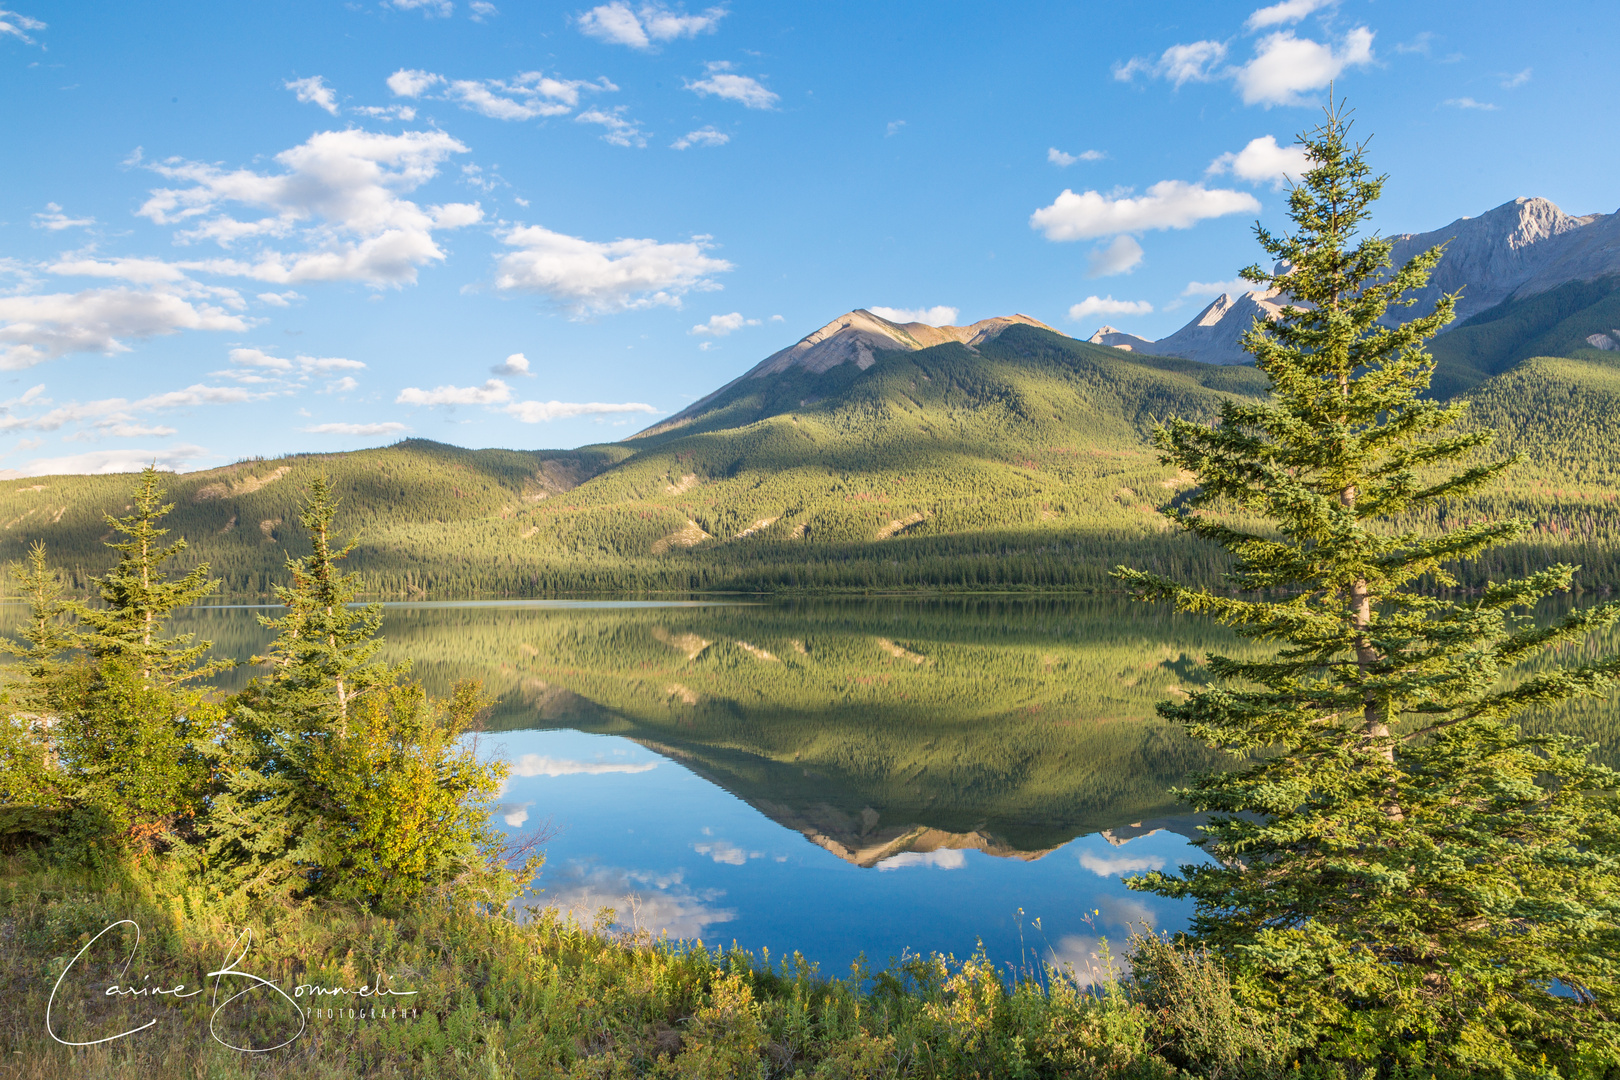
(671,744)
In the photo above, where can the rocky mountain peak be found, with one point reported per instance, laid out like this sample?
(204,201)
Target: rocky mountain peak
(855,337)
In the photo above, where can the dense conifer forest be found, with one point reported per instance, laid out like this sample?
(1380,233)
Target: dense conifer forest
(1023,464)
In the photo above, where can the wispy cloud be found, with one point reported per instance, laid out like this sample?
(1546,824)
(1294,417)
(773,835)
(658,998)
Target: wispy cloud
(1107,305)
(1470,103)
(314,91)
(703,136)
(647,26)
(387,427)
(1063,161)
(721,82)
(53,219)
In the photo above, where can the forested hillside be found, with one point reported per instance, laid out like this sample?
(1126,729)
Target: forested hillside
(1021,463)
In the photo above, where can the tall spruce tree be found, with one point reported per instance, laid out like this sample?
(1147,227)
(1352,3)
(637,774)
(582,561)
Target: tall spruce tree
(138,596)
(1394,863)
(341,779)
(266,827)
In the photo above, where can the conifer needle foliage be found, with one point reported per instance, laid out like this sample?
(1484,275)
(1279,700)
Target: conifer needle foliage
(339,778)
(1394,863)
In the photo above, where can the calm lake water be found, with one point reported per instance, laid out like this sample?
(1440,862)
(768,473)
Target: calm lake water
(833,777)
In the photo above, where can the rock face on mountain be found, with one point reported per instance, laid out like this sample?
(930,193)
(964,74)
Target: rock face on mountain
(1215,336)
(853,338)
(1522,247)
(1519,249)
(1119,339)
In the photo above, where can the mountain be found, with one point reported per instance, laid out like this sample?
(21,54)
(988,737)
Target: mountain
(1005,456)
(857,337)
(1119,339)
(870,456)
(1500,262)
(1215,335)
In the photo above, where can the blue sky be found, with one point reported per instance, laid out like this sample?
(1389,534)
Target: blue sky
(231,230)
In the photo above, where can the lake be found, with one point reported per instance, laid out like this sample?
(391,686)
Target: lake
(836,777)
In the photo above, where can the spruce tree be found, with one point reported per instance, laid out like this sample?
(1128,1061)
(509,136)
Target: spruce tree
(265,831)
(340,779)
(28,773)
(1393,862)
(139,597)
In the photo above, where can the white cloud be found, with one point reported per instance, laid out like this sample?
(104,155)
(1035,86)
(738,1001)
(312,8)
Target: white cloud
(96,462)
(1513,82)
(617,24)
(723,83)
(408,82)
(493,392)
(1194,62)
(893,128)
(1289,11)
(939,315)
(43,327)
(1105,866)
(1119,257)
(300,365)
(442,8)
(483,9)
(1107,305)
(1284,66)
(535,412)
(725,852)
(1470,103)
(541,765)
(1063,161)
(703,136)
(280,299)
(53,219)
(406,113)
(1235,287)
(115,417)
(942,859)
(14,24)
(1262,161)
(721,325)
(523,97)
(388,427)
(340,193)
(589,277)
(515,365)
(341,386)
(314,91)
(620,132)
(139,271)
(1169,204)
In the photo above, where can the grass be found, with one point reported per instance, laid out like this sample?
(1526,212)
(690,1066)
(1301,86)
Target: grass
(498,998)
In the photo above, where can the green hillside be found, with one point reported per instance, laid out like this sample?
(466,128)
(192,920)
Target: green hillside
(1021,464)
(1554,323)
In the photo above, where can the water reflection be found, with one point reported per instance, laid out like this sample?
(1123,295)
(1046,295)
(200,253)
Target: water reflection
(839,777)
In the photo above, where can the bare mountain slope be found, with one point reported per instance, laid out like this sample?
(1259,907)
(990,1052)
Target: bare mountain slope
(1518,250)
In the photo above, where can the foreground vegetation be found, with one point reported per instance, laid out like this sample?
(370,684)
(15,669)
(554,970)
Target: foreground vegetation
(499,999)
